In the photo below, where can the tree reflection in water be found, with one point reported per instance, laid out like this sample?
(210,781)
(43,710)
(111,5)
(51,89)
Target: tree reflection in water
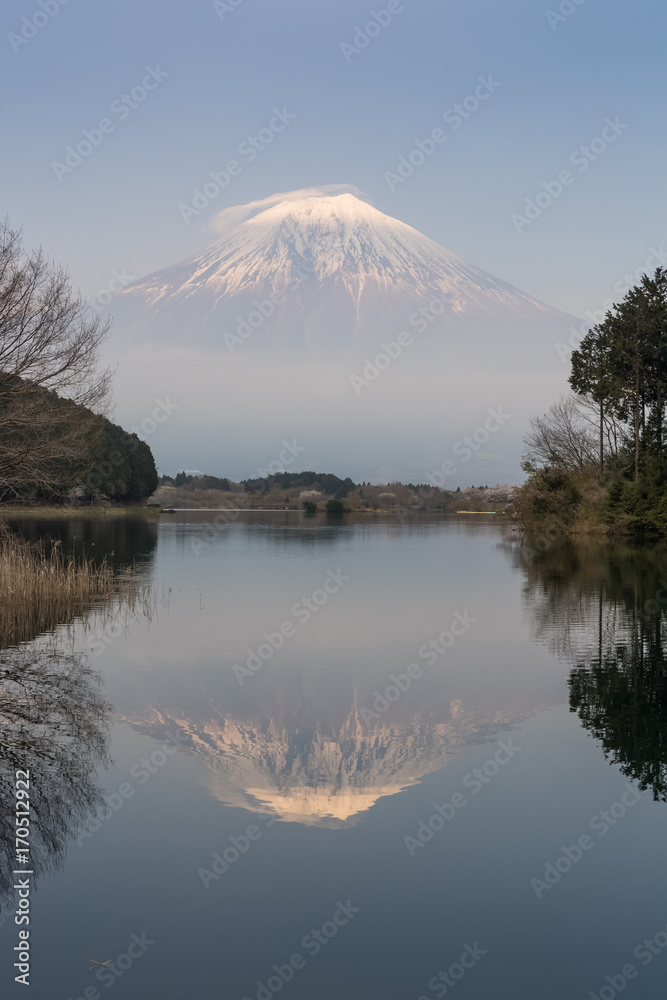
(602,606)
(54,720)
(54,723)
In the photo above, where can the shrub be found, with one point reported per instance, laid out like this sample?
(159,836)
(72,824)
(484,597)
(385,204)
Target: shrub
(309,500)
(334,506)
(549,495)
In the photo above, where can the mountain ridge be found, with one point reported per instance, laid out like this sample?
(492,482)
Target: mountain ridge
(320,272)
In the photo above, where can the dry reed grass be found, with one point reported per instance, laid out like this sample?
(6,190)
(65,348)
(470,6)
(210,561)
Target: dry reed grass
(41,589)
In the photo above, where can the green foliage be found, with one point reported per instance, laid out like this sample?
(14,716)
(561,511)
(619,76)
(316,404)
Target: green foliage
(111,464)
(123,469)
(323,481)
(621,367)
(256,485)
(197,482)
(334,506)
(293,488)
(638,507)
(550,497)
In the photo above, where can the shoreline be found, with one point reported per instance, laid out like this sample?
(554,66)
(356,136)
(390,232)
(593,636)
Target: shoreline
(16,510)
(29,510)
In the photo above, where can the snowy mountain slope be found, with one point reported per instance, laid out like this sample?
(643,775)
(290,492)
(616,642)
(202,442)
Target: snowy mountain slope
(272,332)
(322,272)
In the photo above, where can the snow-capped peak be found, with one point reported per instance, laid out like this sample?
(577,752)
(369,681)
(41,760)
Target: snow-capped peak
(331,269)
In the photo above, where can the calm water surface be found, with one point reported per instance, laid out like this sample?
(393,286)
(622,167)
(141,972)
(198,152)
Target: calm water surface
(369,759)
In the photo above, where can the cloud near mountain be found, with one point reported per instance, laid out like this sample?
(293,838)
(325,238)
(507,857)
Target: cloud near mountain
(230,218)
(303,293)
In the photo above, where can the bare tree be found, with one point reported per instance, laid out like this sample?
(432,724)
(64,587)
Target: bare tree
(54,723)
(49,354)
(564,436)
(614,434)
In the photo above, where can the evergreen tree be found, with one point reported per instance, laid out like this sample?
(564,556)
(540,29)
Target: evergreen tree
(621,365)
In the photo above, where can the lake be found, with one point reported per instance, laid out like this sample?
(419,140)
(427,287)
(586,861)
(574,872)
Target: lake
(374,758)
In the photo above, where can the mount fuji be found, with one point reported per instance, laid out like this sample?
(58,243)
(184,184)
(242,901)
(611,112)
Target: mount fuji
(321,273)
(272,333)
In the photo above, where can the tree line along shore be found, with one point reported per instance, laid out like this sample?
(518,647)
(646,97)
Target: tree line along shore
(596,462)
(323,492)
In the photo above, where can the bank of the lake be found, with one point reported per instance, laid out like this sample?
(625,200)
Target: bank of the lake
(563,502)
(12,511)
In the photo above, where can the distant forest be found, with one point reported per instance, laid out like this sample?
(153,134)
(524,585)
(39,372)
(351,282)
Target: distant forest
(321,491)
(326,482)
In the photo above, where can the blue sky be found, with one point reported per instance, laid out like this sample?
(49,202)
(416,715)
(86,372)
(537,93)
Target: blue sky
(355,117)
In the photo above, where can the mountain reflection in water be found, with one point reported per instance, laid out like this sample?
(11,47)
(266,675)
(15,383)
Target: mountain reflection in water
(296,745)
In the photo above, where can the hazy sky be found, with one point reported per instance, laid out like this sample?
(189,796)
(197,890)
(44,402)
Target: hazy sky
(562,103)
(356,114)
